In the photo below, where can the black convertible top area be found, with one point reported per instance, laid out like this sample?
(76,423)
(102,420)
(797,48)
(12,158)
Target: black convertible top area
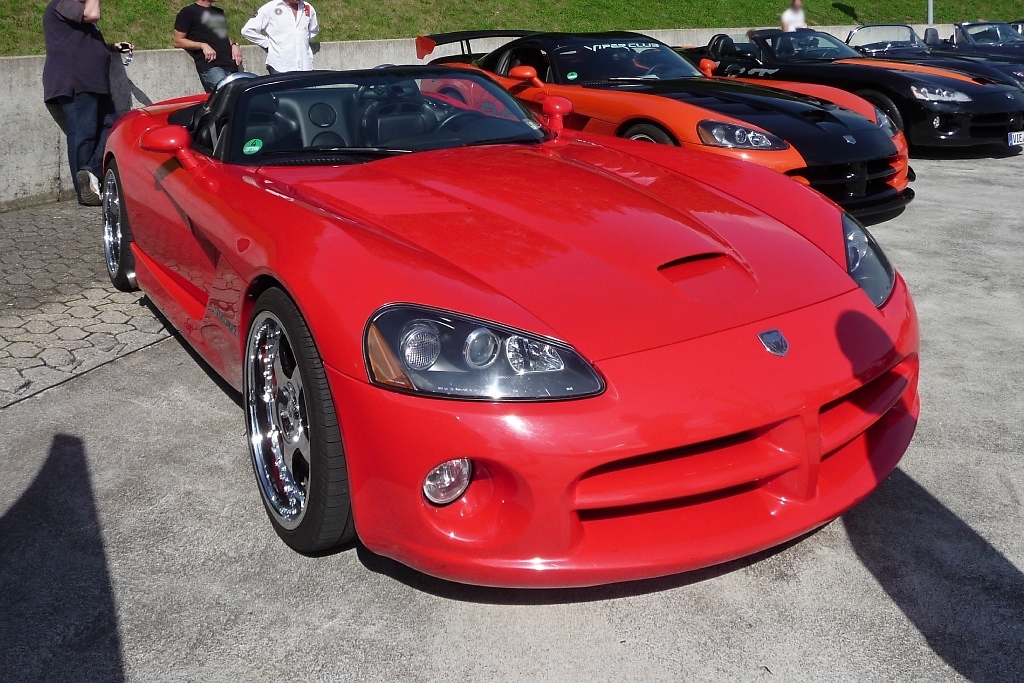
(394,109)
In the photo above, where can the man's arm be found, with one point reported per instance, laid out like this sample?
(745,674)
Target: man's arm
(253,30)
(91,15)
(182,41)
(314,24)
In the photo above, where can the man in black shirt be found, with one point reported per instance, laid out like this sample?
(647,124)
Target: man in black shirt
(76,82)
(202,30)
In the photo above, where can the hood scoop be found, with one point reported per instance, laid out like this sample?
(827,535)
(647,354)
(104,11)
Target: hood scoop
(819,116)
(712,277)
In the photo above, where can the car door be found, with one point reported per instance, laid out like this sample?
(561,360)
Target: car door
(169,237)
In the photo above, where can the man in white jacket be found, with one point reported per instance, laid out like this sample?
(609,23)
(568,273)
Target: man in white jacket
(284,28)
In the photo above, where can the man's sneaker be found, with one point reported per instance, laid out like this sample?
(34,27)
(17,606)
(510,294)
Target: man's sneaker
(89,188)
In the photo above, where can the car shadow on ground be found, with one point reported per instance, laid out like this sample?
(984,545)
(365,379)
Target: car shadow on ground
(58,619)
(981,152)
(963,595)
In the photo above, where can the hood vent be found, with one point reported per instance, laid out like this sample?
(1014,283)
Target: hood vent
(694,266)
(713,277)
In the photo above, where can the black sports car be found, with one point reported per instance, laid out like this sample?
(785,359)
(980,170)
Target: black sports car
(900,42)
(981,38)
(933,107)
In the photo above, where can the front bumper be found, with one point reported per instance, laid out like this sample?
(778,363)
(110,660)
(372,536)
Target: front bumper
(866,189)
(987,120)
(698,453)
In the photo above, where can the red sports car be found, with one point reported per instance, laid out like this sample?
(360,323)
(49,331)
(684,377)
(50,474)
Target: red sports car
(507,354)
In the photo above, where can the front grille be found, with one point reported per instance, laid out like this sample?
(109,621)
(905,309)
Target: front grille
(853,182)
(776,461)
(994,125)
(703,470)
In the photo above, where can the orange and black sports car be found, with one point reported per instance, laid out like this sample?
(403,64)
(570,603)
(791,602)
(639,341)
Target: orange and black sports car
(633,86)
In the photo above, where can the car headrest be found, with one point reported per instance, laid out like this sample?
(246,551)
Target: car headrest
(931,37)
(727,48)
(715,44)
(263,104)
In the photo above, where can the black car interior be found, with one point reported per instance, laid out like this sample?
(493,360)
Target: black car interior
(326,114)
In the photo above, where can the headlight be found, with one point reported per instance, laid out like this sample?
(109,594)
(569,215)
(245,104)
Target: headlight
(885,123)
(429,351)
(719,134)
(866,262)
(936,93)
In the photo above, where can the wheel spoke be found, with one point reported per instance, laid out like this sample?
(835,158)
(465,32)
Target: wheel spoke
(276,417)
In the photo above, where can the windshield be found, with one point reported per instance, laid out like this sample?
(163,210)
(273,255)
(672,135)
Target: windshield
(807,45)
(993,34)
(601,59)
(885,38)
(356,117)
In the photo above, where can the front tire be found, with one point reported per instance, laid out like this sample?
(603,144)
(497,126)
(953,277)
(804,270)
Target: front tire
(117,234)
(884,103)
(648,132)
(294,436)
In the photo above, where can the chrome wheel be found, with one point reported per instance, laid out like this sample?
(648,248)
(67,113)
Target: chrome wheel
(112,223)
(277,420)
(643,137)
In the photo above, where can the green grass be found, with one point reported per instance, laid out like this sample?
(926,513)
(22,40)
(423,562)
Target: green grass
(148,23)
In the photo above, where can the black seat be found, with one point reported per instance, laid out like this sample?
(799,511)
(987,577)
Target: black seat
(715,45)
(385,121)
(265,123)
(727,48)
(931,37)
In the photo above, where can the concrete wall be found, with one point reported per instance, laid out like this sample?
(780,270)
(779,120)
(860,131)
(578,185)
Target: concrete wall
(33,156)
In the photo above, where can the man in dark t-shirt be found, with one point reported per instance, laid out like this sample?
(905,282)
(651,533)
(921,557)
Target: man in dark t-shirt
(202,30)
(76,86)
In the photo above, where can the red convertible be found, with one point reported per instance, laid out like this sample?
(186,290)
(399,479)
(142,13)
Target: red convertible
(504,353)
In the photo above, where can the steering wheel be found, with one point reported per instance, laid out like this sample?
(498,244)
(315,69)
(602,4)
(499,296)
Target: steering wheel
(379,91)
(653,71)
(449,122)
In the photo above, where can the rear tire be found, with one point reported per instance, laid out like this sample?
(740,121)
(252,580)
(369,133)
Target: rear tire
(649,132)
(117,234)
(884,103)
(294,436)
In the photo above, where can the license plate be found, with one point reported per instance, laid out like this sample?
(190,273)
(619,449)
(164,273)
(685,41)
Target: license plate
(1016,138)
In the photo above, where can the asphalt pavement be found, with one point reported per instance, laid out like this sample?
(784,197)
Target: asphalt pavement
(133,545)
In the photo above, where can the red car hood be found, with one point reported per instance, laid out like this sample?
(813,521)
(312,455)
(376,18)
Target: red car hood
(615,254)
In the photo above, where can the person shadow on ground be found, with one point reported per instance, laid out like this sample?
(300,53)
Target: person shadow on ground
(58,619)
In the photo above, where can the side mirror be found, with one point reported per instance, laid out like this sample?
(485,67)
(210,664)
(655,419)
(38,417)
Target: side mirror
(556,109)
(526,74)
(170,140)
(707,67)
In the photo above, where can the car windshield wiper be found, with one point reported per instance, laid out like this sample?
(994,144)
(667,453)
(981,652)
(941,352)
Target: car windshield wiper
(522,139)
(337,151)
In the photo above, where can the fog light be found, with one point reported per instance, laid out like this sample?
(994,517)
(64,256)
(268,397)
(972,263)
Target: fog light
(937,122)
(448,481)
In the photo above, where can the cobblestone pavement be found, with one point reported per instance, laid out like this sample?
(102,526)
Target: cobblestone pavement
(59,316)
